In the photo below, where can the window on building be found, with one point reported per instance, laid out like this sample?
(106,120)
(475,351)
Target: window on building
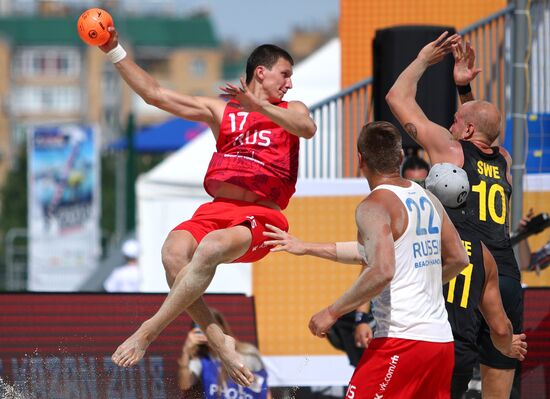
(198,67)
(41,99)
(34,62)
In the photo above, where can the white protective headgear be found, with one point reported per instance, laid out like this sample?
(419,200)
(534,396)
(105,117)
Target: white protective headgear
(449,184)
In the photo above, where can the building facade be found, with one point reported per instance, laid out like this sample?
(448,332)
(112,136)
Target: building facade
(48,76)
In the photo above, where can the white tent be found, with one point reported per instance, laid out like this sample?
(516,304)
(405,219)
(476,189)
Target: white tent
(318,76)
(166,196)
(170,192)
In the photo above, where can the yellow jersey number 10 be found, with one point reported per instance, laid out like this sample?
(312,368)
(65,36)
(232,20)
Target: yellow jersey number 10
(488,199)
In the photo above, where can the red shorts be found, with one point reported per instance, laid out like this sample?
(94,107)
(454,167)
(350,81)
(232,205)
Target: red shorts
(223,213)
(403,369)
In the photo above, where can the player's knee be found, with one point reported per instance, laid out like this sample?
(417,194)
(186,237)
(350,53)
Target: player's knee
(174,258)
(214,249)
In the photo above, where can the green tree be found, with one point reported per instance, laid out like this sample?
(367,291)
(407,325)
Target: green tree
(13,196)
(13,204)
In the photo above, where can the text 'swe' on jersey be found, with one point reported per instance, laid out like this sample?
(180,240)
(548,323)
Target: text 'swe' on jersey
(486,210)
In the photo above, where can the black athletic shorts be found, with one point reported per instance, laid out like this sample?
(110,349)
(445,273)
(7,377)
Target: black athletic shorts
(466,357)
(459,384)
(512,299)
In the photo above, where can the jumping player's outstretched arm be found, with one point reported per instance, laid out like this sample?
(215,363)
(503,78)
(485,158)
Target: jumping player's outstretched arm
(464,70)
(202,109)
(493,312)
(435,139)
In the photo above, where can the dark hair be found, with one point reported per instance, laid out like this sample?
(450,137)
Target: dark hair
(265,55)
(379,144)
(413,162)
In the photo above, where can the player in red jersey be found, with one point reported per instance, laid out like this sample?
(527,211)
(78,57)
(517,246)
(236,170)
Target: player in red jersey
(251,177)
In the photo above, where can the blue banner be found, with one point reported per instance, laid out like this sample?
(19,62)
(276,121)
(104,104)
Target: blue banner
(63,207)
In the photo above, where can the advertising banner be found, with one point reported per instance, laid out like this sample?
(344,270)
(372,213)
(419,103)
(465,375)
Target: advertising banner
(63,206)
(60,345)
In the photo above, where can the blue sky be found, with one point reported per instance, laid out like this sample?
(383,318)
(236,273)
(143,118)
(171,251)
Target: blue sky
(250,22)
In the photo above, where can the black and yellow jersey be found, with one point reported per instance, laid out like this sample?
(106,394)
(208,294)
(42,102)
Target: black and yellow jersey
(486,210)
(463,293)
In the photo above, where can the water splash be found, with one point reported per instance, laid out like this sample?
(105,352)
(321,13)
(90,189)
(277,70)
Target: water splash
(71,375)
(292,391)
(8,391)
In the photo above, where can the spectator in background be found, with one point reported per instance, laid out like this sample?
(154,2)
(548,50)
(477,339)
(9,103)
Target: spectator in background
(528,260)
(125,278)
(198,364)
(415,168)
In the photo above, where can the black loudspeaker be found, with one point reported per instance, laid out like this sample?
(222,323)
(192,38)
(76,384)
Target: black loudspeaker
(393,50)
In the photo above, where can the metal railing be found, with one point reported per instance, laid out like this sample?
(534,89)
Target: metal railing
(16,259)
(16,255)
(539,65)
(331,154)
(491,39)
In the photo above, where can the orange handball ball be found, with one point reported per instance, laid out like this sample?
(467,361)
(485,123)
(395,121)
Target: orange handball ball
(92,26)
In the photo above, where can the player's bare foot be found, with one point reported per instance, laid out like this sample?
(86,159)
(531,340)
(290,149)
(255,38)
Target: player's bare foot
(132,350)
(233,363)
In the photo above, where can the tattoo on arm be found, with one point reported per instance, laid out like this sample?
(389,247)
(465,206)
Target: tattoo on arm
(411,129)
